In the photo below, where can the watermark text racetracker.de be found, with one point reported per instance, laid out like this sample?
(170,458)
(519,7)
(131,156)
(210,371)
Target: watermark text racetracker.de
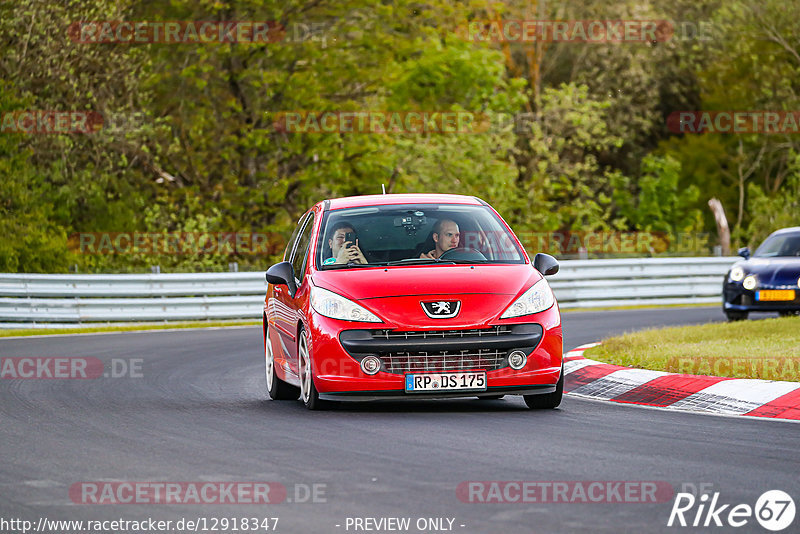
(177,243)
(734,122)
(266,244)
(110,526)
(196,492)
(64,122)
(68,368)
(567,491)
(762,367)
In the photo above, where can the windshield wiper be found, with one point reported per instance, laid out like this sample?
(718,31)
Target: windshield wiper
(421,261)
(350,264)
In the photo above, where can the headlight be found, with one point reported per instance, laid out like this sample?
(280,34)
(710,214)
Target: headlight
(798,282)
(750,282)
(536,299)
(335,306)
(737,273)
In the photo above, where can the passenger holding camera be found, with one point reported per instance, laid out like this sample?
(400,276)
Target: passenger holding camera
(344,245)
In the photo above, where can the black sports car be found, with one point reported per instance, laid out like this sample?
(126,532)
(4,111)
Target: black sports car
(767,281)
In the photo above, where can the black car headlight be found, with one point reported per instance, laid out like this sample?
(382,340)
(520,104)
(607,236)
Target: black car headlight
(736,274)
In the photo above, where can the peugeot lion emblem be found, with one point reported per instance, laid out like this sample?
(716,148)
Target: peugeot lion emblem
(442,309)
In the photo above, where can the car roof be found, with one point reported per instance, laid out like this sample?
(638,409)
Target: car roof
(380,200)
(786,230)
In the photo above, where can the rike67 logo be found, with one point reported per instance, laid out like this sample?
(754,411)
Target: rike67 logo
(774,510)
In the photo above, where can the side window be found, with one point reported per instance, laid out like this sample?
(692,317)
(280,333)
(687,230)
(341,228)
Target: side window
(290,245)
(301,251)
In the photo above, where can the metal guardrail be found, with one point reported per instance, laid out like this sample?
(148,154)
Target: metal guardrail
(50,300)
(631,282)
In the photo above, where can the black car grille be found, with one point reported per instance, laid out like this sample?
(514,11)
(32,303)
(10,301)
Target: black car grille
(435,362)
(441,361)
(428,334)
(416,351)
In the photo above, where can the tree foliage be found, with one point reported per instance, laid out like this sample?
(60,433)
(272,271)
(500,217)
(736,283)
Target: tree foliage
(190,143)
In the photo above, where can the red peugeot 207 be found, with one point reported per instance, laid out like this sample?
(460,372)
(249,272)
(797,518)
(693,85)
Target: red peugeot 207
(410,297)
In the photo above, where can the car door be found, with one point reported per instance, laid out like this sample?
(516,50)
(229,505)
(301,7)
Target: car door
(288,308)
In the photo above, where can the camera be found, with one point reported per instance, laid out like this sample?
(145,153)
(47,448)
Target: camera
(411,222)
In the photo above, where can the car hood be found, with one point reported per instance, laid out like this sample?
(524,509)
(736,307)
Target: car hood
(777,271)
(371,283)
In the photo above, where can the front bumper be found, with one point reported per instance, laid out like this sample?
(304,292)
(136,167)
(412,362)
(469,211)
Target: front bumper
(401,395)
(737,298)
(338,374)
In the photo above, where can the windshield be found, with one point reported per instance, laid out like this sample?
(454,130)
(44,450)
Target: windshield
(421,234)
(779,246)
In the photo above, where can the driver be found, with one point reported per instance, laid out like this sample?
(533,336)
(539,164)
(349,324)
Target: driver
(344,251)
(445,236)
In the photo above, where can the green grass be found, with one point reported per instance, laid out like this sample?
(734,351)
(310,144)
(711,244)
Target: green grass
(767,348)
(125,328)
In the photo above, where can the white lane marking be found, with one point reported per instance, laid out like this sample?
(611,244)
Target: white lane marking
(737,396)
(682,410)
(617,383)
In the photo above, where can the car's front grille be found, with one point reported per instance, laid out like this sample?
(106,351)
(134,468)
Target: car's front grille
(442,334)
(435,362)
(431,351)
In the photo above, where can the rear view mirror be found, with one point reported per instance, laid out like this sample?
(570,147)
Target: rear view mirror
(545,264)
(282,274)
(744,252)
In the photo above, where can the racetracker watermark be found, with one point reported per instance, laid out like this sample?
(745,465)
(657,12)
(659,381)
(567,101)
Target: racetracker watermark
(175,32)
(572,491)
(766,368)
(69,367)
(403,122)
(381,122)
(600,242)
(566,31)
(176,243)
(37,121)
(196,492)
(734,122)
(559,243)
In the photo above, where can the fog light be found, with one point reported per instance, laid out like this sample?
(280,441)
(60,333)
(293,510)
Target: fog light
(517,359)
(371,365)
(749,282)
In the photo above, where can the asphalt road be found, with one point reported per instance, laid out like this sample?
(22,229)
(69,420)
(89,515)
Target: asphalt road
(198,413)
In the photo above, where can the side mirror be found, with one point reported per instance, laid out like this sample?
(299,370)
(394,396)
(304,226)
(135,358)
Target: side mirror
(744,252)
(282,274)
(545,264)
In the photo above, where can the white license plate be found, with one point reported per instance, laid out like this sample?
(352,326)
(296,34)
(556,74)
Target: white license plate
(426,382)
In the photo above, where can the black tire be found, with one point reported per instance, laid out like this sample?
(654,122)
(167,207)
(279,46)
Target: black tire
(736,315)
(308,390)
(277,388)
(491,397)
(547,401)
(788,313)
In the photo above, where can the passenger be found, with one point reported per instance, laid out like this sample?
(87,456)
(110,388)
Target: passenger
(344,251)
(445,237)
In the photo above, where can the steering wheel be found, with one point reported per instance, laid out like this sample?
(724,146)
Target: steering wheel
(465,253)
